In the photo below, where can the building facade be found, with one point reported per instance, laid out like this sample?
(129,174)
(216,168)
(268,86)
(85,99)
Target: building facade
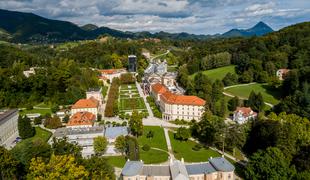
(8,124)
(111,73)
(95,93)
(174,106)
(86,105)
(243,114)
(216,169)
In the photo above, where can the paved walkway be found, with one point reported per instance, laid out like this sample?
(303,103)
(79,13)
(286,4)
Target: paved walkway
(152,58)
(170,151)
(149,110)
(239,85)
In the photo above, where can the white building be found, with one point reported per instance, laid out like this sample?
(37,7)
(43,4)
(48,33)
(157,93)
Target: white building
(86,105)
(175,106)
(29,72)
(282,73)
(112,73)
(242,114)
(8,124)
(95,93)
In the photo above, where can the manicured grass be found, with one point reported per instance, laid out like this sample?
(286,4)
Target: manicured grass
(117,161)
(131,104)
(158,140)
(126,87)
(153,156)
(40,134)
(43,105)
(218,73)
(32,111)
(183,149)
(270,95)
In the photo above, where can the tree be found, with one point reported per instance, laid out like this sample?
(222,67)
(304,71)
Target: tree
(150,134)
(58,167)
(63,147)
(256,101)
(135,124)
(55,108)
(99,168)
(66,118)
(132,148)
(233,103)
(52,122)
(100,145)
(25,129)
(120,144)
(269,164)
(182,134)
(9,166)
(38,120)
(99,117)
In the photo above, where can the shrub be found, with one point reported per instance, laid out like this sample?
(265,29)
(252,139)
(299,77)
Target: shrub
(197,147)
(146,147)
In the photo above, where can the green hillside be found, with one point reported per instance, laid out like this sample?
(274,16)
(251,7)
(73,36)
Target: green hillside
(218,73)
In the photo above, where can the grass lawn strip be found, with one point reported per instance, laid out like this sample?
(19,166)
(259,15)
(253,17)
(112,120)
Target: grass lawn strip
(117,161)
(131,104)
(217,73)
(183,149)
(270,95)
(153,156)
(158,140)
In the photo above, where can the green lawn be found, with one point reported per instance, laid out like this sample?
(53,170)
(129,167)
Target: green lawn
(117,161)
(218,73)
(32,111)
(125,87)
(158,140)
(183,149)
(153,156)
(43,105)
(40,134)
(270,95)
(131,104)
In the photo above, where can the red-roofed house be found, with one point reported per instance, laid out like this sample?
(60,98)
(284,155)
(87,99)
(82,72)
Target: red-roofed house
(112,73)
(175,106)
(282,73)
(86,105)
(242,114)
(81,119)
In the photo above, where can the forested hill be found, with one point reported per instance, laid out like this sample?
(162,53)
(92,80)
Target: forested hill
(28,27)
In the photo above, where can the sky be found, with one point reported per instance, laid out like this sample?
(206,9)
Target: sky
(192,16)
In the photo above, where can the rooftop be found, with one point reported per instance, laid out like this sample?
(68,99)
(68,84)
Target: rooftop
(246,111)
(132,168)
(5,114)
(113,132)
(82,118)
(221,164)
(86,103)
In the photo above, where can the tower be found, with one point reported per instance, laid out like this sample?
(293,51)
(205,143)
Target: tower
(132,63)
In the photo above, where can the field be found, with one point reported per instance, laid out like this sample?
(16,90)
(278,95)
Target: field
(33,111)
(218,73)
(153,156)
(270,95)
(117,161)
(129,99)
(40,134)
(184,149)
(158,140)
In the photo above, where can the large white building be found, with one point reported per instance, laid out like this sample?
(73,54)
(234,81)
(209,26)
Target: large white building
(8,124)
(216,169)
(175,106)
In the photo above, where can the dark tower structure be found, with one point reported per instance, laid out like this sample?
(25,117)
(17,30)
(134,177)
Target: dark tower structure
(132,63)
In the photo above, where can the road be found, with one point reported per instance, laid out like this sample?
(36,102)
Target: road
(239,85)
(152,58)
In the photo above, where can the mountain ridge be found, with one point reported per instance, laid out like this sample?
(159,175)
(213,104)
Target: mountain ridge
(29,27)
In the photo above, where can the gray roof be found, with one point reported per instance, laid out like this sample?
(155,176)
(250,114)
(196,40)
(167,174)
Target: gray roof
(7,114)
(221,164)
(201,168)
(61,132)
(132,168)
(156,171)
(178,171)
(113,132)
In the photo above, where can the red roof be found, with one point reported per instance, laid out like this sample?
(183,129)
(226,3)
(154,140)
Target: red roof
(110,71)
(159,88)
(284,71)
(86,103)
(246,111)
(82,118)
(171,98)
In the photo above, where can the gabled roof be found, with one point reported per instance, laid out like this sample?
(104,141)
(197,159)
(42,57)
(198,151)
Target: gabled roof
(221,164)
(246,111)
(86,103)
(113,132)
(159,88)
(171,98)
(156,170)
(200,168)
(132,168)
(178,171)
(82,118)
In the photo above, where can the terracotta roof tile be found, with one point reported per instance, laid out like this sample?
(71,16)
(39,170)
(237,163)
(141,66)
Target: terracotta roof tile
(82,118)
(159,88)
(246,111)
(86,103)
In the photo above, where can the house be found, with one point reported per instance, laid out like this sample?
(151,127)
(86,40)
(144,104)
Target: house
(215,169)
(242,114)
(282,73)
(81,119)
(29,72)
(86,105)
(174,106)
(112,73)
(8,124)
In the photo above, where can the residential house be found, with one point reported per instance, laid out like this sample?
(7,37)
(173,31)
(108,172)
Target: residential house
(282,73)
(86,105)
(242,114)
(81,119)
(111,73)
(216,169)
(174,106)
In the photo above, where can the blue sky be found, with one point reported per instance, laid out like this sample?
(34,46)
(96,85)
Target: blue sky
(192,16)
